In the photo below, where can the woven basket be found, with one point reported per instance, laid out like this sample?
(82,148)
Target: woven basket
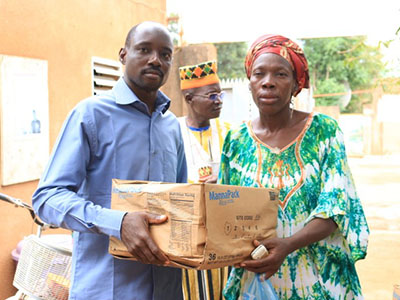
(43,270)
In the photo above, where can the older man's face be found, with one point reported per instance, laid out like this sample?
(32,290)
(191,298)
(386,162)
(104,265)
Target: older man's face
(202,105)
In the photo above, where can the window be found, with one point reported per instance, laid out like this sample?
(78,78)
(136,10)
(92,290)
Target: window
(105,73)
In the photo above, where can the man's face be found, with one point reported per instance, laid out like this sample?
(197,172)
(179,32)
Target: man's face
(202,106)
(147,59)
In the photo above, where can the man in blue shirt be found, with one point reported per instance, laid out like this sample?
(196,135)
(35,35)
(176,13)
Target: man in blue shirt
(127,133)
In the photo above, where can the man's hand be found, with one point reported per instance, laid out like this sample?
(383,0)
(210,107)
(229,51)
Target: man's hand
(135,235)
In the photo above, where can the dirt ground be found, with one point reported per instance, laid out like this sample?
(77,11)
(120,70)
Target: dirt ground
(378,184)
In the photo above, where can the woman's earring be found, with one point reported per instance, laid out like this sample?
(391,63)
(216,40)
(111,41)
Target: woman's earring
(291,107)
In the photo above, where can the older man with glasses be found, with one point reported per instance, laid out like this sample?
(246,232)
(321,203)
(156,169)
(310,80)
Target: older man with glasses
(203,134)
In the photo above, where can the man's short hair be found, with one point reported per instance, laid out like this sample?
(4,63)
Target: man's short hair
(130,35)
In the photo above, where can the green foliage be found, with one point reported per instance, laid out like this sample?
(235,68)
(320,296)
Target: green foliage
(173,27)
(330,86)
(356,103)
(390,85)
(231,59)
(334,61)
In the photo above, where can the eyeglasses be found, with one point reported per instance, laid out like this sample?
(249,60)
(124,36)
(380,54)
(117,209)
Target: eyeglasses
(213,96)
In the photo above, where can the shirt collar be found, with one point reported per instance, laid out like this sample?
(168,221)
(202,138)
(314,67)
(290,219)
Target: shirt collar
(125,96)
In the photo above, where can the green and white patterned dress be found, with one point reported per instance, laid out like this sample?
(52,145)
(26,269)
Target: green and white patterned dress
(314,179)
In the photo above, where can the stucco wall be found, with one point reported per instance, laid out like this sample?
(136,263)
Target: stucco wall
(66,33)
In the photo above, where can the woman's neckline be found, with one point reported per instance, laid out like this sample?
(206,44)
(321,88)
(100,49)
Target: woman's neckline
(277,150)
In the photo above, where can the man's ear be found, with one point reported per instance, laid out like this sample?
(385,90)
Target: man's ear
(122,54)
(188,97)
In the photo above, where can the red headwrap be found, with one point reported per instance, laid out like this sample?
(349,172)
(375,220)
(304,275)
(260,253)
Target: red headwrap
(284,47)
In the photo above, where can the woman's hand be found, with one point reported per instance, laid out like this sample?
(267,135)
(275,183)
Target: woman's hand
(278,250)
(211,179)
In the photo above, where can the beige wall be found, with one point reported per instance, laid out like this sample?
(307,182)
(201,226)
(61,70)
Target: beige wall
(332,111)
(66,33)
(390,138)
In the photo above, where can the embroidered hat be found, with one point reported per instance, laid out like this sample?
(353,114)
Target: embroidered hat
(198,75)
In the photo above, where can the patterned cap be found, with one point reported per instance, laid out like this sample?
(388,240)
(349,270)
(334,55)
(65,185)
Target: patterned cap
(198,75)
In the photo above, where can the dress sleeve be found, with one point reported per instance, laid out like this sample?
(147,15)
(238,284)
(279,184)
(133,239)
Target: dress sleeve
(338,198)
(224,171)
(56,200)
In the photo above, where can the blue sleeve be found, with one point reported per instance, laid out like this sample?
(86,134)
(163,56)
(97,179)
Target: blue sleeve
(182,166)
(58,199)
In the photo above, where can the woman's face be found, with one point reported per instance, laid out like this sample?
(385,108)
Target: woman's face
(272,83)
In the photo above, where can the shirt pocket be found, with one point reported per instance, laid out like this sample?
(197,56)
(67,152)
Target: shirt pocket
(170,161)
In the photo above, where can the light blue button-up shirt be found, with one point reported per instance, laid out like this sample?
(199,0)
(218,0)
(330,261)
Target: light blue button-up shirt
(105,137)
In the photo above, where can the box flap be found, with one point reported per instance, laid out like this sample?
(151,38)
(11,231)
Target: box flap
(235,218)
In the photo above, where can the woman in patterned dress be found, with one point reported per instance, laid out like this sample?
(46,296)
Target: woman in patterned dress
(322,230)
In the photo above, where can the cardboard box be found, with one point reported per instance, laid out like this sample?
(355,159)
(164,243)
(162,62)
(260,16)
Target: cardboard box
(209,225)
